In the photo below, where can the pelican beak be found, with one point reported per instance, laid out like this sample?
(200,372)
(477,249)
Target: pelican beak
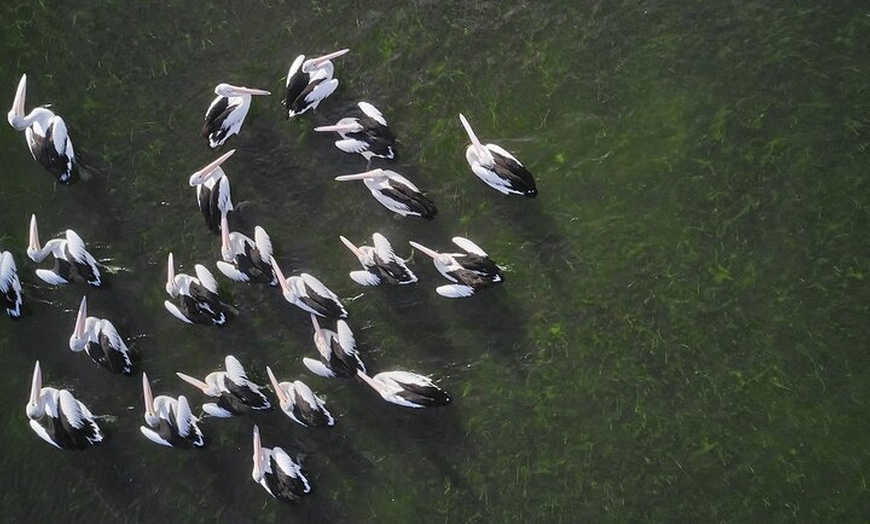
(478,147)
(149,396)
(36,385)
(320,60)
(225,234)
(200,176)
(258,454)
(360,176)
(20,95)
(279,274)
(424,249)
(338,128)
(279,391)
(170,275)
(81,319)
(251,91)
(193,381)
(33,244)
(350,246)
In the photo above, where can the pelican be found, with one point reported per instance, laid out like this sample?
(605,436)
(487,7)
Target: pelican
(498,168)
(279,475)
(227,112)
(471,270)
(10,287)
(369,136)
(246,260)
(406,389)
(380,262)
(235,393)
(298,402)
(46,135)
(337,349)
(213,191)
(169,421)
(72,262)
(395,192)
(58,418)
(199,301)
(101,341)
(309,294)
(309,82)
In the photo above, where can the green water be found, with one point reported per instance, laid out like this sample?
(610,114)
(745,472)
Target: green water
(681,336)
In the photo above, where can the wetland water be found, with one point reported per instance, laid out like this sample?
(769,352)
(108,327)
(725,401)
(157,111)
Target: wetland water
(682,334)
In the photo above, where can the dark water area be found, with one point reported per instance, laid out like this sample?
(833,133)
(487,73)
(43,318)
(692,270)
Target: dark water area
(681,335)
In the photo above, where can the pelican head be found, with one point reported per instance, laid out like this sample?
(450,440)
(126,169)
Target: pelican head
(258,471)
(314,63)
(475,153)
(231,90)
(16,114)
(211,170)
(78,340)
(319,335)
(439,258)
(205,388)
(151,417)
(171,286)
(364,255)
(283,399)
(286,289)
(35,407)
(33,246)
(373,174)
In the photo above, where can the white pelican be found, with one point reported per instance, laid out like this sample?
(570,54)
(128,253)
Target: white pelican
(309,82)
(381,264)
(395,192)
(298,402)
(337,349)
(246,260)
(169,421)
(58,418)
(471,270)
(227,112)
(279,475)
(309,294)
(406,389)
(498,168)
(199,302)
(101,341)
(213,191)
(72,262)
(368,135)
(235,393)
(46,135)
(11,298)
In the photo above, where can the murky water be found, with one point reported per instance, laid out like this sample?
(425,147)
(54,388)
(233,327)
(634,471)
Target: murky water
(681,334)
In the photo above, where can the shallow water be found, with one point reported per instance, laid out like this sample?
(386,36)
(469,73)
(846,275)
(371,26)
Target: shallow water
(681,334)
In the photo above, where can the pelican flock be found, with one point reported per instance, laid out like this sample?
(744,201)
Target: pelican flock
(58,418)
